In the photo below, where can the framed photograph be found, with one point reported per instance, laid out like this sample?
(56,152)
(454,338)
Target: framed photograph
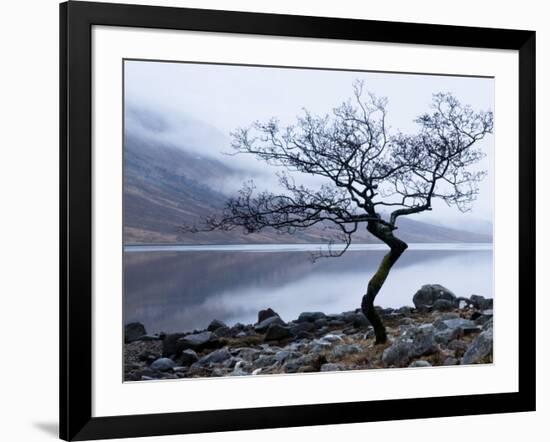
(273,220)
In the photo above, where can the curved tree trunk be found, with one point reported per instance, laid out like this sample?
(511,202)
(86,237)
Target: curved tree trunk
(397,247)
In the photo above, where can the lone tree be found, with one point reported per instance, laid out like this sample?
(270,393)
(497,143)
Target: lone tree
(371,177)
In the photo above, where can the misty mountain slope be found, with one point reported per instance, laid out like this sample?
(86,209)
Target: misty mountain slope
(167,187)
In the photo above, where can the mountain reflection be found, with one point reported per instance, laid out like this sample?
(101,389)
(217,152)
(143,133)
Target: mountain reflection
(171,291)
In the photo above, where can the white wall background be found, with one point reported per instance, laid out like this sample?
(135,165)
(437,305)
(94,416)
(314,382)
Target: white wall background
(29,216)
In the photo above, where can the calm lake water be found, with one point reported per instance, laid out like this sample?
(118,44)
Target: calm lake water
(181,288)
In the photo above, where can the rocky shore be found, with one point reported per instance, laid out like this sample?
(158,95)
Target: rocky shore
(441,329)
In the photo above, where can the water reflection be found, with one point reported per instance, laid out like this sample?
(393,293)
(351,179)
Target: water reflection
(180,291)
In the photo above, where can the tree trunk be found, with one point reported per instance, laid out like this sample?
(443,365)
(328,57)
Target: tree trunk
(397,247)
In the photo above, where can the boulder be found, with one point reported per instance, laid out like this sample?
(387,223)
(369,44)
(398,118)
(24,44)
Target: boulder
(163,364)
(197,341)
(360,321)
(320,323)
(443,305)
(481,303)
(415,342)
(276,332)
(224,332)
(216,324)
(215,357)
(188,357)
(310,316)
(481,347)
(423,339)
(465,326)
(170,344)
(283,355)
(296,329)
(397,354)
(133,331)
(331,367)
(447,335)
(264,325)
(427,295)
(264,314)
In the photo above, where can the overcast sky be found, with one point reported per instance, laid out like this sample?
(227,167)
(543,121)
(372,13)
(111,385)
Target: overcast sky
(196,99)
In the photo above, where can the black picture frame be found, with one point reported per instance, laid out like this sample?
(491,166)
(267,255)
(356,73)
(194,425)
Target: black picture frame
(76,21)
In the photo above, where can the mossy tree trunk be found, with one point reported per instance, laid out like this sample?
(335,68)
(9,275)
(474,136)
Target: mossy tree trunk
(397,247)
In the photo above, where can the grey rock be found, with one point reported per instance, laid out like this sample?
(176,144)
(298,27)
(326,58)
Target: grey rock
(295,329)
(342,350)
(223,332)
(405,310)
(332,338)
(319,345)
(398,354)
(133,331)
(310,316)
(276,332)
(320,323)
(264,325)
(170,344)
(265,361)
(480,347)
(458,346)
(415,342)
(335,317)
(238,327)
(419,363)
(360,321)
(483,316)
(163,364)
(215,357)
(423,338)
(446,335)
(465,325)
(264,314)
(428,294)
(197,341)
(443,305)
(331,367)
(481,303)
(215,324)
(450,361)
(188,357)
(283,355)
(349,316)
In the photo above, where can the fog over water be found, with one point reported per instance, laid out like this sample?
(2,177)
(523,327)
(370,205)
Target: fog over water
(181,291)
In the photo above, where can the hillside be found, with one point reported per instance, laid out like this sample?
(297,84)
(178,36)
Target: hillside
(167,186)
